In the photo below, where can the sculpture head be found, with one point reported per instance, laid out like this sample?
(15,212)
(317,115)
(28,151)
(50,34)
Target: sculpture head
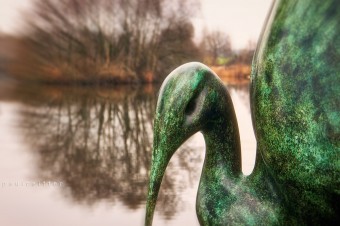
(189,101)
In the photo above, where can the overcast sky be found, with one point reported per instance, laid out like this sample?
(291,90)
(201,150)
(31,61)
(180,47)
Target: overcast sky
(241,19)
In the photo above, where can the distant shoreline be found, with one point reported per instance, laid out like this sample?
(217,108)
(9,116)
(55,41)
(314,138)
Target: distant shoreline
(233,74)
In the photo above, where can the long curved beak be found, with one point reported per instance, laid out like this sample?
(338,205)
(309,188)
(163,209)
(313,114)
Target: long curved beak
(160,160)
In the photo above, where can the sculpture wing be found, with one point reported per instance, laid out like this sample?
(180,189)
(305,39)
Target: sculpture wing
(295,98)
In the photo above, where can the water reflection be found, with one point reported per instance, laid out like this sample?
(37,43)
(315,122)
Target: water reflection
(98,142)
(242,92)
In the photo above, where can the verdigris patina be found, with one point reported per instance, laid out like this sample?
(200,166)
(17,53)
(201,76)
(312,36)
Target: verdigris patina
(194,99)
(295,96)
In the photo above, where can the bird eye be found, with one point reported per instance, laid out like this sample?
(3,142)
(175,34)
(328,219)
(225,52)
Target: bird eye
(191,106)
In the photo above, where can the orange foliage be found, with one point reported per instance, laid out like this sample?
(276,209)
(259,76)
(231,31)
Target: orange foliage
(235,73)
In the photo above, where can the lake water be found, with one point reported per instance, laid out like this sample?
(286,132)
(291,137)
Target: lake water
(81,155)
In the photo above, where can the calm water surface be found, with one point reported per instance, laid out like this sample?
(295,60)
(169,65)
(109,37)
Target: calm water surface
(80,156)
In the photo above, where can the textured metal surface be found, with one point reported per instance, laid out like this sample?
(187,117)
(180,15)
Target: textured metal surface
(194,99)
(295,101)
(296,105)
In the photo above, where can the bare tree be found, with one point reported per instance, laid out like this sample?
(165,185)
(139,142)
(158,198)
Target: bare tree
(89,39)
(245,56)
(215,44)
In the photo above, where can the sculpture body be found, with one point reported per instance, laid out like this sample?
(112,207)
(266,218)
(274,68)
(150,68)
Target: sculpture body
(295,102)
(295,98)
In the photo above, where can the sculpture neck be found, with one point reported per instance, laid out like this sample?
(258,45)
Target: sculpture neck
(223,145)
(221,170)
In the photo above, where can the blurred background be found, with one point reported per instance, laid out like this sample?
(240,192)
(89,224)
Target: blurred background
(78,89)
(115,41)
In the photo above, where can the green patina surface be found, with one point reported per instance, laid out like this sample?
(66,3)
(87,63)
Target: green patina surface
(194,99)
(296,105)
(296,115)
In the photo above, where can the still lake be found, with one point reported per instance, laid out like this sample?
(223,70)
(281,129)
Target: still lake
(81,155)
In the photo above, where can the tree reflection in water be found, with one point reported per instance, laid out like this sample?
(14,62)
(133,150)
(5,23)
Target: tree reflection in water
(98,142)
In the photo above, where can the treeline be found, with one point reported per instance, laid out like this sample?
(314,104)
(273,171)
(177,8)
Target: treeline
(113,41)
(216,49)
(119,40)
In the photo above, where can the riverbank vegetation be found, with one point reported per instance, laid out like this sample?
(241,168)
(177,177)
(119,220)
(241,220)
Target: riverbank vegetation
(115,41)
